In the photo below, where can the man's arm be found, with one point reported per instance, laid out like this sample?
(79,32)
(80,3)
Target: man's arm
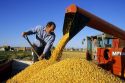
(48,45)
(32,31)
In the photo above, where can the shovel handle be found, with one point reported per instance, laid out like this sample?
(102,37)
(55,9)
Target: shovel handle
(26,37)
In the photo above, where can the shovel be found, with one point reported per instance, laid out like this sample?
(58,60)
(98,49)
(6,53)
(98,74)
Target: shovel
(32,47)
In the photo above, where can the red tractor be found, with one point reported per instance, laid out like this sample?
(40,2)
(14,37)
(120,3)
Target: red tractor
(108,52)
(104,49)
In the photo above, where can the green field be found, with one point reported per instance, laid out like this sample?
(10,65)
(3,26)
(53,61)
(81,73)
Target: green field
(15,55)
(26,55)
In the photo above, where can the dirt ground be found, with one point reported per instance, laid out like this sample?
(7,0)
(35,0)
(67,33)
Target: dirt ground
(73,54)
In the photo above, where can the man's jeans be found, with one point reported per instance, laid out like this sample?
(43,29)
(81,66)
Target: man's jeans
(39,50)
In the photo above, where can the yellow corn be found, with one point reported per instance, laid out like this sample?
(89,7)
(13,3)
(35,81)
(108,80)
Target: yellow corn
(67,71)
(73,71)
(56,53)
(29,71)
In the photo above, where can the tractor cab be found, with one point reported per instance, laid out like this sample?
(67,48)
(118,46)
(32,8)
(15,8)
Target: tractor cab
(99,41)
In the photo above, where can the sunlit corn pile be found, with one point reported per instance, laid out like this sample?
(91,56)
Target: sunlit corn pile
(30,71)
(73,71)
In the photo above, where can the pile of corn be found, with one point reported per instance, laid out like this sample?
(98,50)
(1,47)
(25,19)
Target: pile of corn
(30,71)
(69,71)
(74,71)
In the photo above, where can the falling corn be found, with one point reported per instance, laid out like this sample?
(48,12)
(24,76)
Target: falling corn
(56,53)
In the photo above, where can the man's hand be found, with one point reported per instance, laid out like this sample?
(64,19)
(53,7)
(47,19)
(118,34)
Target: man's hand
(42,56)
(24,34)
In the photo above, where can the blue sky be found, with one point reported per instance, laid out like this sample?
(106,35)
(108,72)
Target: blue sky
(17,16)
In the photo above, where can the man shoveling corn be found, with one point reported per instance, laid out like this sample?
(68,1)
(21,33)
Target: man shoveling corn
(45,37)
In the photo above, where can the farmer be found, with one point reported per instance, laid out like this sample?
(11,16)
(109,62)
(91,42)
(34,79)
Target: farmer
(45,37)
